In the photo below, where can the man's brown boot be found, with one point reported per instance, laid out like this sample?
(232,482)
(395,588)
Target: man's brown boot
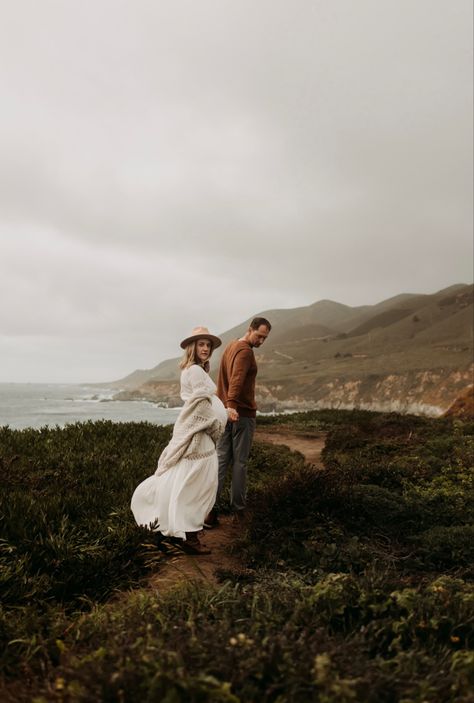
(238,518)
(211,520)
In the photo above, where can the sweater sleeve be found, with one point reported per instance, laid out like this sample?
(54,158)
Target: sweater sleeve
(240,369)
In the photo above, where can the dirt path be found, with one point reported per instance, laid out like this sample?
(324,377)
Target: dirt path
(310,446)
(219,540)
(203,567)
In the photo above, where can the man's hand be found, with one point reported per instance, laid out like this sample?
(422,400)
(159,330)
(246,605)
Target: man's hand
(232,414)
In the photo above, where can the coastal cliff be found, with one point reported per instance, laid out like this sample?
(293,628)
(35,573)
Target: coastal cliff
(423,392)
(409,354)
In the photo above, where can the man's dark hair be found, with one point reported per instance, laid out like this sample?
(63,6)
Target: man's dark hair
(257,321)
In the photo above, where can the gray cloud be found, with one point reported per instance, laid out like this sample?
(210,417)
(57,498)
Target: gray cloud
(165,164)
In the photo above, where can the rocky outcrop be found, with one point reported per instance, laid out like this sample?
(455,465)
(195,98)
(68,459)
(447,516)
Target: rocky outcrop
(162,393)
(463,406)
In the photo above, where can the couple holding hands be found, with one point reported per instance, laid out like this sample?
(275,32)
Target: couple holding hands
(214,430)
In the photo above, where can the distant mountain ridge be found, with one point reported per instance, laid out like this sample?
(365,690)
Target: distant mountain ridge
(412,351)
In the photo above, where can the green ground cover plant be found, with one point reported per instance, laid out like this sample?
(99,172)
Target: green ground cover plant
(355,582)
(65,524)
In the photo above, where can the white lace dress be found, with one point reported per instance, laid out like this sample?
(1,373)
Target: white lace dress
(179,498)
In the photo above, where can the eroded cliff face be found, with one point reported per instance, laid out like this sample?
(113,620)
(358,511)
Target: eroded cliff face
(417,392)
(463,406)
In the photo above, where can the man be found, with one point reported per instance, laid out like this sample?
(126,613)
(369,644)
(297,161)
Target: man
(236,389)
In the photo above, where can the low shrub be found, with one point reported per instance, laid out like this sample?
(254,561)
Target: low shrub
(353,583)
(278,639)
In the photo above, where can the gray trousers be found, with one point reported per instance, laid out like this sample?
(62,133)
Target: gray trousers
(233,449)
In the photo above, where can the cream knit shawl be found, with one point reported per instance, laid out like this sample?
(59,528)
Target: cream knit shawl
(195,421)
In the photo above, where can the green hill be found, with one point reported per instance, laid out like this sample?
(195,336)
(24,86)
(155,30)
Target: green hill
(413,350)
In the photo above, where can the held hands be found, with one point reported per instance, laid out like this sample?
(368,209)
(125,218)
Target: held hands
(232,414)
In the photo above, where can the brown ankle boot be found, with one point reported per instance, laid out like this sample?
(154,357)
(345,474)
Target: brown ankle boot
(192,545)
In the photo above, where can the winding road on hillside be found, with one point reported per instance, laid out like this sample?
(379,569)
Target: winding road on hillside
(206,567)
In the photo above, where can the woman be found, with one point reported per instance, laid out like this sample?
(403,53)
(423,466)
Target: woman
(181,492)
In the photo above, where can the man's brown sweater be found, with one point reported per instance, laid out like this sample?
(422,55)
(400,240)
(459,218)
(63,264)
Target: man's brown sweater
(236,381)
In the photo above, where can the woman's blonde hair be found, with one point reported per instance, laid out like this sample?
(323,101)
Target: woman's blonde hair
(189,357)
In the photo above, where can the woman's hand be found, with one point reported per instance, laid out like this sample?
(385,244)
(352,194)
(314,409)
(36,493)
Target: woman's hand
(232,414)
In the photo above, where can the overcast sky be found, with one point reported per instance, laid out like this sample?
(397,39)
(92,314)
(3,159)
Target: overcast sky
(168,163)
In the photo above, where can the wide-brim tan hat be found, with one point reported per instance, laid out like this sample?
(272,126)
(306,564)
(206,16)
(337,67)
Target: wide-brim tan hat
(201,333)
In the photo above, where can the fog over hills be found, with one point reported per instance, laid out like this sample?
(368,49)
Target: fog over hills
(411,353)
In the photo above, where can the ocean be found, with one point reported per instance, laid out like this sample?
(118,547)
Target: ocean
(37,405)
